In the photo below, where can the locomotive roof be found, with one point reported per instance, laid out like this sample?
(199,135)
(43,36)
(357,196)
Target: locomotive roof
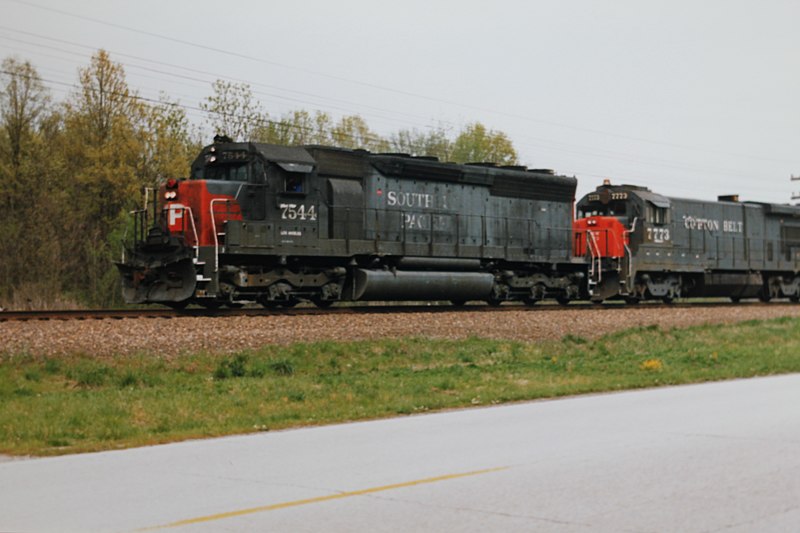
(391,163)
(664,201)
(272,152)
(423,167)
(511,181)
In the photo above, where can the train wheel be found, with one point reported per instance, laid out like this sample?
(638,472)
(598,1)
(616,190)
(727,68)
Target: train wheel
(735,299)
(668,299)
(530,302)
(632,300)
(211,304)
(493,302)
(795,298)
(458,303)
(290,303)
(563,299)
(234,305)
(177,305)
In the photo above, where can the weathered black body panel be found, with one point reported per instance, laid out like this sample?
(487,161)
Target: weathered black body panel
(326,224)
(702,248)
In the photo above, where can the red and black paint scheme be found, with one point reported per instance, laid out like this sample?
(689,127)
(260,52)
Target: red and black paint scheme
(278,225)
(641,245)
(166,262)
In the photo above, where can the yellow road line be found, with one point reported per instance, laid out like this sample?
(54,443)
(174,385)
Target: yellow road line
(318,499)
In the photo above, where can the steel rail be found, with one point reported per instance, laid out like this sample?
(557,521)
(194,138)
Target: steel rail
(165,313)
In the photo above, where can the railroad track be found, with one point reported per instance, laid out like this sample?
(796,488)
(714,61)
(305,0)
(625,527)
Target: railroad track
(164,313)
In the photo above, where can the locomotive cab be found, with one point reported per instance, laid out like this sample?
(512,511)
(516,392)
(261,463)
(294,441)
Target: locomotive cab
(613,226)
(176,254)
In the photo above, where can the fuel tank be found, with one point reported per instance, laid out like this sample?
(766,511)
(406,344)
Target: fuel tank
(419,285)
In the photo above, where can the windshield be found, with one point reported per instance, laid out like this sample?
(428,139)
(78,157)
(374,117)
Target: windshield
(226,171)
(614,209)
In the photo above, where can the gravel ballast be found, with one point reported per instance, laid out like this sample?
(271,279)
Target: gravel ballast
(168,337)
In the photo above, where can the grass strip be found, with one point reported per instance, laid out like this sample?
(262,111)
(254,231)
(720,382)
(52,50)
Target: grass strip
(81,403)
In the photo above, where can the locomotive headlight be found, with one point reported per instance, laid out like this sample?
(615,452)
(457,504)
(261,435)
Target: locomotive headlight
(170,195)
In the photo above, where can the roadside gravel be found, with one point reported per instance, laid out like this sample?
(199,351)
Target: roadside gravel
(167,337)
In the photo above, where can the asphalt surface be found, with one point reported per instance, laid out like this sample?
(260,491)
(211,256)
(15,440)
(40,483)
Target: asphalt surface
(711,457)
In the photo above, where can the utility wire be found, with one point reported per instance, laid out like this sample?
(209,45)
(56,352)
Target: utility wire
(538,143)
(281,124)
(387,89)
(215,76)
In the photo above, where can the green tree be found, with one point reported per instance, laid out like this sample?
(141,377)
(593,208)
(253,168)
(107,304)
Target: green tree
(103,101)
(296,128)
(433,143)
(30,250)
(476,144)
(167,146)
(23,102)
(352,131)
(232,111)
(103,143)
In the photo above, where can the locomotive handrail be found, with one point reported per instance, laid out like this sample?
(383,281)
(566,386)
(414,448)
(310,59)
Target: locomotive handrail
(628,250)
(185,208)
(592,240)
(214,227)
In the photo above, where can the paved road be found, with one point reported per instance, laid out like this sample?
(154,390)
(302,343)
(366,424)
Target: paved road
(723,456)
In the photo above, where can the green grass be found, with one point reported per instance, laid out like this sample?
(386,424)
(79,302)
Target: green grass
(83,403)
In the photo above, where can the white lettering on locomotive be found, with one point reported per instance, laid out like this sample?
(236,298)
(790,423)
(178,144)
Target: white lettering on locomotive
(420,200)
(175,214)
(658,235)
(298,212)
(732,226)
(710,225)
(422,221)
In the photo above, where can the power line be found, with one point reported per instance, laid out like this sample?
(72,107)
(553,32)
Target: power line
(387,89)
(539,144)
(207,81)
(264,121)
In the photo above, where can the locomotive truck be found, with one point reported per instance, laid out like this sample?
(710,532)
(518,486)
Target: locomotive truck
(279,225)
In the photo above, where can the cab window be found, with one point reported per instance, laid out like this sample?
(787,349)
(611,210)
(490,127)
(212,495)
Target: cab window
(227,172)
(258,174)
(293,182)
(614,209)
(657,215)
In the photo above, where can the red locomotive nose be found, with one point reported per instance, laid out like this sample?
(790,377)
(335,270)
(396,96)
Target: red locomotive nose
(599,237)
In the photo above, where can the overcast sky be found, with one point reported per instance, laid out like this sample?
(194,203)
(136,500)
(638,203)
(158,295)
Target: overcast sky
(690,98)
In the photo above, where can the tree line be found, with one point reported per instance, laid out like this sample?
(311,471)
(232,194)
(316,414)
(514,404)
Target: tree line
(71,171)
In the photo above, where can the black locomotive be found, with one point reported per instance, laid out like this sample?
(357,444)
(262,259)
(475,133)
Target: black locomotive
(277,225)
(642,245)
